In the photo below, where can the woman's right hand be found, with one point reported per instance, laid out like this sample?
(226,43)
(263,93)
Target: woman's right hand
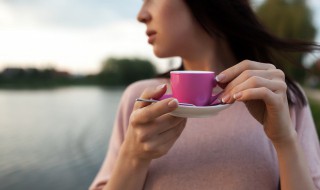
(152,132)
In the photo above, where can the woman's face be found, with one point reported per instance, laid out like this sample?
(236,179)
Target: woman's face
(171,28)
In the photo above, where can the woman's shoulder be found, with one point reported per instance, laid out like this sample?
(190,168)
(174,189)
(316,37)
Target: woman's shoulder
(300,113)
(297,98)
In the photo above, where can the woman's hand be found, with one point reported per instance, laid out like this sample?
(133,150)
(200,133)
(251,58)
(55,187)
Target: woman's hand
(263,89)
(152,132)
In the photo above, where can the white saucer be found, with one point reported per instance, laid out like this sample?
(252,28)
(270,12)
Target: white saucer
(198,111)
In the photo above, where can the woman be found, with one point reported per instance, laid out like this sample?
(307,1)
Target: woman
(266,138)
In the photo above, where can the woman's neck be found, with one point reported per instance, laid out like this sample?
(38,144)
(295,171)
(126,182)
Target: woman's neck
(211,58)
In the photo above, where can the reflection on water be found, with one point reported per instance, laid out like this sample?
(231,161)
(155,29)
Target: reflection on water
(54,139)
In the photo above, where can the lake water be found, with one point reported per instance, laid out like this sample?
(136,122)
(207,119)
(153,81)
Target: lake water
(54,139)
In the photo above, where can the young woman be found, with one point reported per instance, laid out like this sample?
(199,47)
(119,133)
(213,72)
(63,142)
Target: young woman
(265,140)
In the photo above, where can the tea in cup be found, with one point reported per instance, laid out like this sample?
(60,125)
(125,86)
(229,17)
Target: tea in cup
(193,87)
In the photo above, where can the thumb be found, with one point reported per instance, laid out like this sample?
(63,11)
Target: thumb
(151,93)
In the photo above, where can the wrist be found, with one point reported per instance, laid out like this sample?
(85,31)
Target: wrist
(132,159)
(286,140)
(128,172)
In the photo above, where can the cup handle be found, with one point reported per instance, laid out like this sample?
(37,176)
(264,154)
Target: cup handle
(214,99)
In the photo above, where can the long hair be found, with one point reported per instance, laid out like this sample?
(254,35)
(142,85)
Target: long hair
(235,21)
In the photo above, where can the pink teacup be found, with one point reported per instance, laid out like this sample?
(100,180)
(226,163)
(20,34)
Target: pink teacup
(193,87)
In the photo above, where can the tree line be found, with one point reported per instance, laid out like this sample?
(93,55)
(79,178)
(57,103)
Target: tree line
(114,72)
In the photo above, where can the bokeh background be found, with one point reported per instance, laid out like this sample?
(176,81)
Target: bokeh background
(64,65)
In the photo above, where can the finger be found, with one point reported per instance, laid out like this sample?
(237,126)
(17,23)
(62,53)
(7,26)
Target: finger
(167,122)
(154,129)
(256,82)
(169,137)
(164,123)
(153,111)
(261,93)
(148,93)
(163,140)
(232,72)
(267,74)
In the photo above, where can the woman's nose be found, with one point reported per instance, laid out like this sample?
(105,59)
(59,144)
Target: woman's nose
(143,16)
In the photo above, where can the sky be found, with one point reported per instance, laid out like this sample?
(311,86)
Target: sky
(77,35)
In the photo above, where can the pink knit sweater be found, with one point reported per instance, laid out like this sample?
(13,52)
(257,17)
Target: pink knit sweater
(226,151)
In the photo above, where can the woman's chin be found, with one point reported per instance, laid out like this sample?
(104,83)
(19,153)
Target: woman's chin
(162,54)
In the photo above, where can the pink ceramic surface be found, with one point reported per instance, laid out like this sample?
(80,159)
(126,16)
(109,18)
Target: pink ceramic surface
(194,87)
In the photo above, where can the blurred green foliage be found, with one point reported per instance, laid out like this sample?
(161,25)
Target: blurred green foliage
(115,72)
(122,72)
(38,78)
(289,19)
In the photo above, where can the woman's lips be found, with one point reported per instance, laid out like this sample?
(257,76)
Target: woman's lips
(152,36)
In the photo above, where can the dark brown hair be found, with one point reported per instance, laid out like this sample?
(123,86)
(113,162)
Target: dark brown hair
(235,21)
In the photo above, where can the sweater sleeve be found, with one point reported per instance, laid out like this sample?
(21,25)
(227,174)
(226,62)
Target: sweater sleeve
(309,140)
(121,123)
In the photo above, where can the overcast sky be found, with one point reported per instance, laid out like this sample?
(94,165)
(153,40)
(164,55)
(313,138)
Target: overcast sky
(75,35)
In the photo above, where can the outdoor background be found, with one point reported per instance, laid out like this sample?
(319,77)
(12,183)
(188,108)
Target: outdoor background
(64,65)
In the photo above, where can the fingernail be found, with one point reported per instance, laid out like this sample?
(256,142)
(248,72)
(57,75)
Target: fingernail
(225,99)
(161,86)
(237,95)
(173,103)
(220,77)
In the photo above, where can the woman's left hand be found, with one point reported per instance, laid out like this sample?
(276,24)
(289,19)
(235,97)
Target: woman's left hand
(262,88)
